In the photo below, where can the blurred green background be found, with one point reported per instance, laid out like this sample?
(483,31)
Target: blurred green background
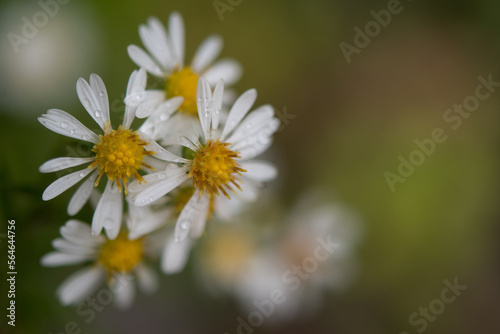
(351,123)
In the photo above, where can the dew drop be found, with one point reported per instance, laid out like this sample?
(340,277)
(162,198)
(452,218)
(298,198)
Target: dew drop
(177,239)
(97,114)
(72,131)
(162,176)
(64,125)
(85,137)
(151,198)
(82,174)
(101,93)
(185,225)
(163,117)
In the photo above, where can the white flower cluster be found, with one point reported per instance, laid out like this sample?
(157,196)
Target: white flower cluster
(191,160)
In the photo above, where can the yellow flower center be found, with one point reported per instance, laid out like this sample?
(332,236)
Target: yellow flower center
(183,83)
(214,168)
(121,254)
(119,155)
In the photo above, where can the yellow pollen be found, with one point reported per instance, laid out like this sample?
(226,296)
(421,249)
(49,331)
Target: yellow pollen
(121,254)
(183,83)
(119,155)
(214,168)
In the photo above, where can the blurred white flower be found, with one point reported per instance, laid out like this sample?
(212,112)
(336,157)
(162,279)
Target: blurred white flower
(312,253)
(117,262)
(165,60)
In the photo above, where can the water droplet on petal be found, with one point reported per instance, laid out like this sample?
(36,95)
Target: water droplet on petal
(97,114)
(64,125)
(101,93)
(72,131)
(151,198)
(82,174)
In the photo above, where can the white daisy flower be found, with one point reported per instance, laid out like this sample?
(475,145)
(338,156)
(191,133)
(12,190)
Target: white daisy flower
(118,154)
(165,60)
(117,262)
(313,254)
(221,161)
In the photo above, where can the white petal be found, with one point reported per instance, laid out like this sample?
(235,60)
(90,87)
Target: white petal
(254,122)
(91,103)
(108,213)
(81,195)
(101,96)
(258,142)
(199,224)
(142,59)
(259,170)
(64,124)
(65,246)
(143,220)
(161,114)
(136,85)
(255,148)
(160,152)
(228,70)
(158,30)
(79,233)
(58,164)
(209,49)
(228,209)
(157,47)
(249,191)
(147,278)
(80,285)
(217,104)
(240,108)
(204,102)
(151,193)
(64,183)
(152,99)
(196,206)
(124,297)
(176,31)
(55,259)
(175,255)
